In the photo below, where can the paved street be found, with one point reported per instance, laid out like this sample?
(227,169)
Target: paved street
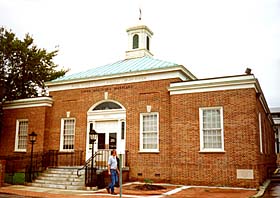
(4,195)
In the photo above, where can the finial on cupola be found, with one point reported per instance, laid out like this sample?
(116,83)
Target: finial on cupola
(140,14)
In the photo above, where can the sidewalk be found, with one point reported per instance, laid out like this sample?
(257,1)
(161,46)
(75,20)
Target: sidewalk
(172,192)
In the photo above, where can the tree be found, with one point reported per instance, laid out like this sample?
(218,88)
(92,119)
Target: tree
(24,68)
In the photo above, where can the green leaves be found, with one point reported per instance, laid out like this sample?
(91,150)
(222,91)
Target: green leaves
(24,68)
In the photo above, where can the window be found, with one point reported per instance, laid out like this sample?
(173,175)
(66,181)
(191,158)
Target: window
(260,130)
(211,129)
(67,134)
(135,44)
(148,43)
(21,135)
(107,106)
(112,140)
(101,141)
(122,130)
(149,132)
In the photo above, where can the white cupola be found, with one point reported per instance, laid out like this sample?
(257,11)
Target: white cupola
(139,41)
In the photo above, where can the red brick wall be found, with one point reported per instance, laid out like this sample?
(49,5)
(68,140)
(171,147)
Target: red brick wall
(179,159)
(241,139)
(134,97)
(36,122)
(267,159)
(2,172)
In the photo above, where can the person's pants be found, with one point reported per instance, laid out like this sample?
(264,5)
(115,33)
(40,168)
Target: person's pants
(114,180)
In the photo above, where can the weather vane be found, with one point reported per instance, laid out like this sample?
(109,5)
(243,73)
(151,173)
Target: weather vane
(140,14)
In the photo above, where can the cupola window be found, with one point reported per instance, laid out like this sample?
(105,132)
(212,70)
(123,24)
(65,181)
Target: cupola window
(148,43)
(135,41)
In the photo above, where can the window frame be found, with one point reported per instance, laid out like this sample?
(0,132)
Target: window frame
(62,135)
(141,132)
(17,135)
(202,149)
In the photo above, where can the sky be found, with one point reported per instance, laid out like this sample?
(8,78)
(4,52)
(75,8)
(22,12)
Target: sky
(211,38)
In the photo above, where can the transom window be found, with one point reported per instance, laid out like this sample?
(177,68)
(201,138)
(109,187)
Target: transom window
(149,132)
(107,106)
(211,129)
(67,134)
(21,135)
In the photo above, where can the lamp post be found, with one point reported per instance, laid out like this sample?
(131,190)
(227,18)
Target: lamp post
(92,138)
(32,140)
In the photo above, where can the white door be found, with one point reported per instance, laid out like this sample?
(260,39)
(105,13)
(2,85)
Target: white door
(107,136)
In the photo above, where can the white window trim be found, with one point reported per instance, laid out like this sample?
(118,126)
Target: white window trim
(260,130)
(16,138)
(141,133)
(62,137)
(201,130)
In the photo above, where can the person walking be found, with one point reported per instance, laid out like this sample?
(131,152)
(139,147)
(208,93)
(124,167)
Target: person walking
(113,171)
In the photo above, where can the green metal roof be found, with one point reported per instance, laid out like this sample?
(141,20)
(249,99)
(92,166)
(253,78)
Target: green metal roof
(121,67)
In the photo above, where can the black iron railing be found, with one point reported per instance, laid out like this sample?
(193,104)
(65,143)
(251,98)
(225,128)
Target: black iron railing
(19,164)
(87,163)
(94,173)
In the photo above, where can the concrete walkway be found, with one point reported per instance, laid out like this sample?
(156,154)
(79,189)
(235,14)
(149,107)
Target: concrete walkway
(175,192)
(273,190)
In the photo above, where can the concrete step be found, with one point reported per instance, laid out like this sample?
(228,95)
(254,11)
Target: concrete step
(61,178)
(74,183)
(73,179)
(57,174)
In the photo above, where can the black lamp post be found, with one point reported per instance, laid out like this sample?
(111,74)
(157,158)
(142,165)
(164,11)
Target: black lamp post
(32,140)
(92,138)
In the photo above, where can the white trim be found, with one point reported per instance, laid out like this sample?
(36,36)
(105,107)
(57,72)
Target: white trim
(201,129)
(118,115)
(167,73)
(276,121)
(16,137)
(28,103)
(102,101)
(274,109)
(62,135)
(141,149)
(110,114)
(215,84)
(260,130)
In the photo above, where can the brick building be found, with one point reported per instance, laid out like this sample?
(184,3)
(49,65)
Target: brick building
(175,128)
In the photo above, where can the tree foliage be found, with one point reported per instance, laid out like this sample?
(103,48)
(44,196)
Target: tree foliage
(24,68)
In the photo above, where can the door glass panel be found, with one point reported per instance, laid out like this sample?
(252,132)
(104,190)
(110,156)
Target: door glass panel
(101,140)
(112,140)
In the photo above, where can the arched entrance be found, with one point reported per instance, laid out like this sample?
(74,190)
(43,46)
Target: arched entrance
(107,118)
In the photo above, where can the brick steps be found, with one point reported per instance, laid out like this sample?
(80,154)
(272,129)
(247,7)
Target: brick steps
(61,178)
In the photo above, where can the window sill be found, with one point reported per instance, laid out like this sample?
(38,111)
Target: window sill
(213,151)
(149,152)
(67,151)
(19,151)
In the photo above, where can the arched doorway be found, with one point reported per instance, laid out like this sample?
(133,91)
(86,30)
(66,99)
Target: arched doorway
(108,119)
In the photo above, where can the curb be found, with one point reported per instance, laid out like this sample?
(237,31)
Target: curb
(262,189)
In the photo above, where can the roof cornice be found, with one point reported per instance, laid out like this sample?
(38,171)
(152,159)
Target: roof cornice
(129,77)
(28,103)
(214,84)
(220,84)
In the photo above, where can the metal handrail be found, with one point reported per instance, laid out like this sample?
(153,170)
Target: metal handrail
(86,163)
